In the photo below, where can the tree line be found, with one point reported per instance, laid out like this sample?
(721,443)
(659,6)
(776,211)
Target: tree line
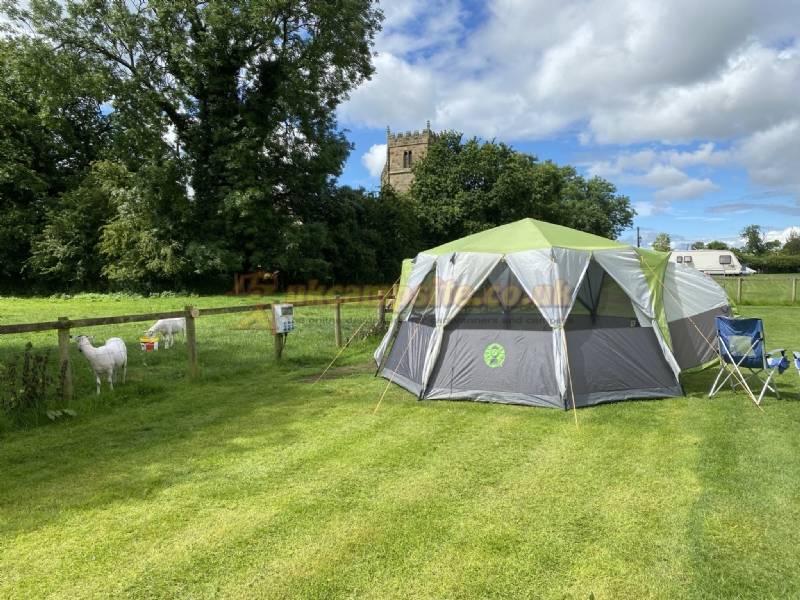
(767,256)
(169,143)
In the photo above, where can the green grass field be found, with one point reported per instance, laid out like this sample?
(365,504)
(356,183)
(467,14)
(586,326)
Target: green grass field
(760,290)
(252,482)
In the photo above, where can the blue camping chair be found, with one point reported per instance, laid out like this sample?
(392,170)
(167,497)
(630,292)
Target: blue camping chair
(741,346)
(796,361)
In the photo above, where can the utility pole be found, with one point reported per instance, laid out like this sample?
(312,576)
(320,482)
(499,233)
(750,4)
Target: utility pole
(638,239)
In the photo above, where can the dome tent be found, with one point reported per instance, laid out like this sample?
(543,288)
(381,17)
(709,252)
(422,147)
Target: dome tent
(535,313)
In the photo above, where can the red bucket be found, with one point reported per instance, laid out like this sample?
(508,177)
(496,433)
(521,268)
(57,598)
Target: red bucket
(149,344)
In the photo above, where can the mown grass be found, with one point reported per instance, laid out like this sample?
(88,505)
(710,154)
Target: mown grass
(254,483)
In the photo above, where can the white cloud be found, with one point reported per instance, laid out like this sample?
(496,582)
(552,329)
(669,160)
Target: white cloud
(661,176)
(374,159)
(601,72)
(704,155)
(658,170)
(399,95)
(772,156)
(645,209)
(688,190)
(730,103)
(782,235)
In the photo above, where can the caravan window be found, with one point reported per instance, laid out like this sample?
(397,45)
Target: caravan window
(679,259)
(725,259)
(687,259)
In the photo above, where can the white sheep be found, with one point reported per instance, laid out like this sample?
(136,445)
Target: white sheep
(105,359)
(168,328)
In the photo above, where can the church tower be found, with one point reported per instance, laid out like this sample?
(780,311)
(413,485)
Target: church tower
(401,152)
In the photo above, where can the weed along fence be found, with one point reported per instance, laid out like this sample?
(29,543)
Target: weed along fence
(223,337)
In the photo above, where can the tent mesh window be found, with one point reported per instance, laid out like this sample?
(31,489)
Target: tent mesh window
(423,309)
(501,303)
(601,303)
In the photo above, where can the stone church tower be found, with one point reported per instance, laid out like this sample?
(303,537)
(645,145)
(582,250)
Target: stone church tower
(401,152)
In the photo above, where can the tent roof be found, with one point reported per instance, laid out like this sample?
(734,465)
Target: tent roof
(526,234)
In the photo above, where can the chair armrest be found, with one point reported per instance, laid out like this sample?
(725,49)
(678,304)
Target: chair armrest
(782,351)
(796,354)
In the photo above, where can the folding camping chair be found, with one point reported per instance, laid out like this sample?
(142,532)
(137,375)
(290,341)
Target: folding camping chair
(741,346)
(796,361)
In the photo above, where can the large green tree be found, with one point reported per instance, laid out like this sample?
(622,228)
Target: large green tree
(238,95)
(357,237)
(462,187)
(51,129)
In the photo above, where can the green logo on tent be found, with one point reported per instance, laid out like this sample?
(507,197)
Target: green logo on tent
(494,355)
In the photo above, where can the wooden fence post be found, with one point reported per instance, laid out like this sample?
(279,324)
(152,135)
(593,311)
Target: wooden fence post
(381,308)
(794,289)
(63,357)
(277,339)
(739,290)
(191,341)
(337,322)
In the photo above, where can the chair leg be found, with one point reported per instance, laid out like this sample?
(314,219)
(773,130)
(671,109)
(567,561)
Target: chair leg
(798,375)
(767,386)
(722,369)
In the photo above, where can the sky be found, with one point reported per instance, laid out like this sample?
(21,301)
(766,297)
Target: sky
(690,107)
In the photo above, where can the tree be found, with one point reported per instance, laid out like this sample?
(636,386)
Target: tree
(792,245)
(594,205)
(240,95)
(51,128)
(716,245)
(64,251)
(698,246)
(662,243)
(755,240)
(356,238)
(461,188)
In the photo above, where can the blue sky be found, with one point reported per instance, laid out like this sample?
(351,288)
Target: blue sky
(690,107)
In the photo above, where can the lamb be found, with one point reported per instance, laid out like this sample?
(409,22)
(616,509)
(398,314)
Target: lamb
(105,359)
(168,328)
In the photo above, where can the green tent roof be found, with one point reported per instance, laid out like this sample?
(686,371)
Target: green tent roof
(526,234)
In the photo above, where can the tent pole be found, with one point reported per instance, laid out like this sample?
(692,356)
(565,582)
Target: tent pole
(564,337)
(569,375)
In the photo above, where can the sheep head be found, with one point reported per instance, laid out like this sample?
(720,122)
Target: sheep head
(81,340)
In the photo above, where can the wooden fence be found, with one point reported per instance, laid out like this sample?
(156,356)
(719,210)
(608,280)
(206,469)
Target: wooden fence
(784,287)
(190,313)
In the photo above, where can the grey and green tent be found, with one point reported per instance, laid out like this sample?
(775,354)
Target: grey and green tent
(535,313)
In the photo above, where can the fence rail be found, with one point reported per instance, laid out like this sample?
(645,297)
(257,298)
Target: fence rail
(190,313)
(760,290)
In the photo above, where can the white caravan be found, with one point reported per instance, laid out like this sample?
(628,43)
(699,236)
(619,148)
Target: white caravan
(710,262)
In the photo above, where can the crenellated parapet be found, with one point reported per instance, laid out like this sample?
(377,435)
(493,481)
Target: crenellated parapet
(408,138)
